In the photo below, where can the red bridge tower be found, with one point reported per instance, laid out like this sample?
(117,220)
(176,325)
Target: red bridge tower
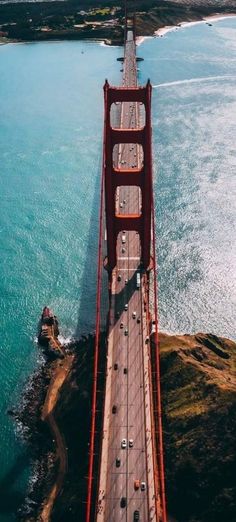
(115,177)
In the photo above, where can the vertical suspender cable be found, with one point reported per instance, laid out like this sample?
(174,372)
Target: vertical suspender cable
(97,334)
(158,383)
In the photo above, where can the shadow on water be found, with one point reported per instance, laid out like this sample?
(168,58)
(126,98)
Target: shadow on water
(87,306)
(10,498)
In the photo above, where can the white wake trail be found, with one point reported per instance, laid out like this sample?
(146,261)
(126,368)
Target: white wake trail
(195,80)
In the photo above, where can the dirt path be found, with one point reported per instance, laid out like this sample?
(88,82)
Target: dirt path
(59,378)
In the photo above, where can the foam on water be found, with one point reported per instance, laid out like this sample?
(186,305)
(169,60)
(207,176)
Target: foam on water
(196,80)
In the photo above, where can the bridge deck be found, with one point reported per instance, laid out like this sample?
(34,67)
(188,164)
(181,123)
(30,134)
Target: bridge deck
(128,386)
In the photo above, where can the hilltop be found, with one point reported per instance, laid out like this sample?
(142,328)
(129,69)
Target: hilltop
(199,417)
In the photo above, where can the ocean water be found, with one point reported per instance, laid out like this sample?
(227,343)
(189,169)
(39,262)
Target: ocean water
(51,118)
(193,71)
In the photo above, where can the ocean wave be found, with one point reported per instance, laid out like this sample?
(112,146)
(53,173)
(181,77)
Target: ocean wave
(65,340)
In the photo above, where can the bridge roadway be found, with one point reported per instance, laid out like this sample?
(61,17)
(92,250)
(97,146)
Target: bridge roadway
(128,387)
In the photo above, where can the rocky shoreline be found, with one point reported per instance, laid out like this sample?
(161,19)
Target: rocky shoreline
(199,405)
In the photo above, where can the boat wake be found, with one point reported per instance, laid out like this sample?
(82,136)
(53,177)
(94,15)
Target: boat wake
(195,80)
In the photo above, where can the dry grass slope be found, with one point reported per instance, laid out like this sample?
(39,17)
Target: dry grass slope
(199,404)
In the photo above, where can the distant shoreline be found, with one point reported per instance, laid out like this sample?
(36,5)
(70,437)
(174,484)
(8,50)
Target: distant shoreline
(152,23)
(208,19)
(108,43)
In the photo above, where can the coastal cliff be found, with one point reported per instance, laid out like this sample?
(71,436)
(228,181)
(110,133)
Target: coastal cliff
(199,406)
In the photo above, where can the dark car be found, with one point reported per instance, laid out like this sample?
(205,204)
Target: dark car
(123,502)
(125,370)
(136,515)
(117,462)
(115,366)
(114,409)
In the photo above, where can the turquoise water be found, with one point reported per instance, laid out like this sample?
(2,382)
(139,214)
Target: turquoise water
(50,145)
(51,110)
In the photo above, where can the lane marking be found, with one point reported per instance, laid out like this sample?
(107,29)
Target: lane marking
(128,259)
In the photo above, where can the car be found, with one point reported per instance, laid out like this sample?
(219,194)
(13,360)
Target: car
(143,486)
(116,366)
(123,444)
(138,320)
(123,239)
(131,443)
(126,331)
(114,408)
(125,371)
(124,201)
(123,502)
(121,205)
(153,329)
(123,250)
(121,325)
(126,307)
(136,484)
(134,315)
(119,277)
(126,281)
(117,462)
(136,515)
(138,280)
(117,314)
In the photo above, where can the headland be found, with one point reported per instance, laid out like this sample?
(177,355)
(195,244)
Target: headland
(104,20)
(199,406)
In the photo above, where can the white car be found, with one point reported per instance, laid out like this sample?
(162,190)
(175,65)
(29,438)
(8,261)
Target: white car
(126,307)
(134,315)
(126,281)
(124,444)
(126,331)
(143,486)
(131,443)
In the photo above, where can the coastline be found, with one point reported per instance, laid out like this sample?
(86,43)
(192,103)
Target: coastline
(208,19)
(110,42)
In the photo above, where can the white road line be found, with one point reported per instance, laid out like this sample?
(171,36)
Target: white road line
(129,258)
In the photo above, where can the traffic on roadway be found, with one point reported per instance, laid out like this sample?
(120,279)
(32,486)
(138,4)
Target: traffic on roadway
(126,482)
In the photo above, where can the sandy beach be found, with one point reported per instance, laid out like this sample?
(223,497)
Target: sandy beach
(208,19)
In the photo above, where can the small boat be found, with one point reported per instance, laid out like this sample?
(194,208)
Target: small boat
(48,333)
